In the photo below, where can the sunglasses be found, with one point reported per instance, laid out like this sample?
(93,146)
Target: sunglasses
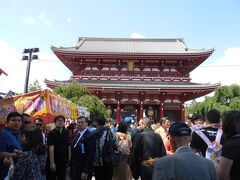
(38,124)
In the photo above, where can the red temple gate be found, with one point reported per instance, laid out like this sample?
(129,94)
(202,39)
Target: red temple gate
(136,73)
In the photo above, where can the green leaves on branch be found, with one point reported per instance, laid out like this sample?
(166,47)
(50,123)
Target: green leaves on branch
(235,103)
(72,91)
(82,97)
(224,99)
(224,95)
(35,86)
(94,105)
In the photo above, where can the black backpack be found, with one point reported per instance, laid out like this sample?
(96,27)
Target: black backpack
(110,153)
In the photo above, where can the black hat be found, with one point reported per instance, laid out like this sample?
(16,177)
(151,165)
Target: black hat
(179,129)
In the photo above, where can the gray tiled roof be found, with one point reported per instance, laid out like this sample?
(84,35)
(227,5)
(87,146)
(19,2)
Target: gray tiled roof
(131,45)
(138,85)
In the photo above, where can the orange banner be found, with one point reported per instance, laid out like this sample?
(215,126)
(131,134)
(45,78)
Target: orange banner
(44,104)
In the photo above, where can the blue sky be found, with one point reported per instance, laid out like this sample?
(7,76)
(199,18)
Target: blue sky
(203,24)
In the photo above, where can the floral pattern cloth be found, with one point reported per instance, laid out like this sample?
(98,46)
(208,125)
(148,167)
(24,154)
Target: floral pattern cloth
(29,166)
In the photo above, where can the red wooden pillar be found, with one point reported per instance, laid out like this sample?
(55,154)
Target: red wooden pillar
(182,112)
(161,108)
(118,112)
(141,111)
(141,108)
(161,112)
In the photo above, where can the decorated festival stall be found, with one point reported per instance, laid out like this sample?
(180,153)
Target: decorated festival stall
(44,104)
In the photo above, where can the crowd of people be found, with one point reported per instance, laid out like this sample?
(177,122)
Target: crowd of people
(85,149)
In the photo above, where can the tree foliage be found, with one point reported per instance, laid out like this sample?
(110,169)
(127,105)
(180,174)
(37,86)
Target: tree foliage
(224,95)
(236,90)
(235,103)
(224,99)
(82,97)
(34,86)
(72,91)
(94,105)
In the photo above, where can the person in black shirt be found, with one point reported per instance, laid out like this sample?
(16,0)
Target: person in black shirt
(147,147)
(58,151)
(229,166)
(213,122)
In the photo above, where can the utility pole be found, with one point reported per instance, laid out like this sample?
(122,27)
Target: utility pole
(29,58)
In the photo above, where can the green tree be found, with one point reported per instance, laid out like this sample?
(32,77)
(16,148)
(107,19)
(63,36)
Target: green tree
(94,105)
(222,108)
(210,103)
(35,86)
(82,97)
(224,99)
(224,95)
(235,103)
(72,91)
(235,90)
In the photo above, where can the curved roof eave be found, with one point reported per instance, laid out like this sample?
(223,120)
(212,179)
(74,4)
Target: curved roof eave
(71,51)
(141,85)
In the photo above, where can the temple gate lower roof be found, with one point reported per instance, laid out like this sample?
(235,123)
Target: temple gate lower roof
(191,90)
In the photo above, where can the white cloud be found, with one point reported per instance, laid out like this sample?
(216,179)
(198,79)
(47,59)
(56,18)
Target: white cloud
(29,20)
(42,15)
(10,62)
(69,19)
(137,35)
(224,70)
(40,19)
(47,23)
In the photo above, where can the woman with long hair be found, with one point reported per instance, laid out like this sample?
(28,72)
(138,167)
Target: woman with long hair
(31,162)
(122,171)
(229,166)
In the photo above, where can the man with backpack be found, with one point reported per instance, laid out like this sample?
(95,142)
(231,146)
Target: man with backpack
(203,139)
(105,149)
